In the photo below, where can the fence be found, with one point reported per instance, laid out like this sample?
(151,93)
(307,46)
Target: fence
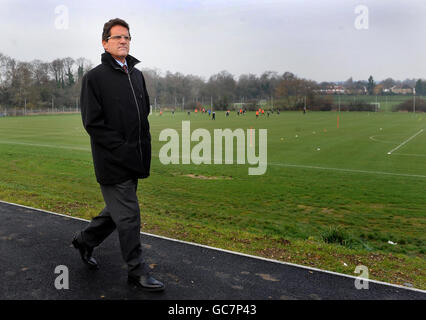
(15,112)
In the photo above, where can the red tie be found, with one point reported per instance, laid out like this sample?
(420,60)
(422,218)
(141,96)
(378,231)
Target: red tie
(125,68)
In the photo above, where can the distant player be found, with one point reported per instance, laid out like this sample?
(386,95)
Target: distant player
(257,114)
(214,115)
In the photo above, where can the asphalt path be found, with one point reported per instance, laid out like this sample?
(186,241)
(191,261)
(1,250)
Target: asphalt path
(33,243)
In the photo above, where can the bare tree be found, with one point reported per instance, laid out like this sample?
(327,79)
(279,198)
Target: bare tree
(57,70)
(295,90)
(40,71)
(83,65)
(68,66)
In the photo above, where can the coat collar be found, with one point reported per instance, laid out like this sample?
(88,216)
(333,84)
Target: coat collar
(107,59)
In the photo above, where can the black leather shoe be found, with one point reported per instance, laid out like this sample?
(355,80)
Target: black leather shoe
(146,282)
(86,254)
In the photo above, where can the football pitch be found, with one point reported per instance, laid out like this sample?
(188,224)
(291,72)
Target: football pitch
(340,189)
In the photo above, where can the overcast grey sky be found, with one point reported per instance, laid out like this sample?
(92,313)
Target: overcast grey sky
(315,39)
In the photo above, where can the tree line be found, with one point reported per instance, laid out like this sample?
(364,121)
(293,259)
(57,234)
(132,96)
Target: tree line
(420,87)
(41,85)
(44,85)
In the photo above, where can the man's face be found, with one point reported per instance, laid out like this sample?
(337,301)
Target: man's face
(118,48)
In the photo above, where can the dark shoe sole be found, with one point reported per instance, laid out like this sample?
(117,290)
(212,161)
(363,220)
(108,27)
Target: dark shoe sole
(91,266)
(136,285)
(78,247)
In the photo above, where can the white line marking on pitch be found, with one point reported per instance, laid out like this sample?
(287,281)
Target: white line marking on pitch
(348,170)
(377,140)
(409,154)
(229,251)
(412,137)
(272,164)
(44,145)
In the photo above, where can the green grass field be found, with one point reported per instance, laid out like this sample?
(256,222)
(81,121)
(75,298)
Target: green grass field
(331,197)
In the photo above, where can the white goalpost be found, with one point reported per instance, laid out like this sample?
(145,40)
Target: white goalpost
(377,104)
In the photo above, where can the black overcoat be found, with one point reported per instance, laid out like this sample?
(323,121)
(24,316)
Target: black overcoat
(114,109)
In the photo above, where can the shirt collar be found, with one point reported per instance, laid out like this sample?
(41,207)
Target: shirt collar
(122,64)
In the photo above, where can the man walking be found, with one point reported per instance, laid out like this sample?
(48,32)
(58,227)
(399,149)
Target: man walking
(115,108)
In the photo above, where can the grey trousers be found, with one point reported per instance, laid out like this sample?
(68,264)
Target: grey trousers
(121,212)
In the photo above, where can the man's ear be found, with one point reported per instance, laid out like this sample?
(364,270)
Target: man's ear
(104,44)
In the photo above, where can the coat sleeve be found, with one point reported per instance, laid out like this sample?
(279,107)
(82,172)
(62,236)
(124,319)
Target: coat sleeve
(93,117)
